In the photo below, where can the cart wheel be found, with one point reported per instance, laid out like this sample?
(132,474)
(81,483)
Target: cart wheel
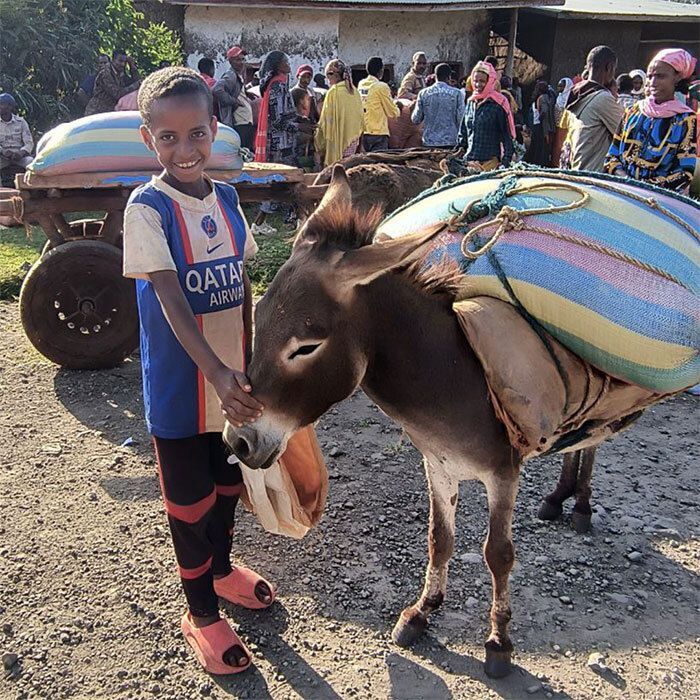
(77,309)
(80,230)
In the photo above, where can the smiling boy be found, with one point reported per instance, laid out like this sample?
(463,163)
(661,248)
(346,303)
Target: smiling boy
(185,242)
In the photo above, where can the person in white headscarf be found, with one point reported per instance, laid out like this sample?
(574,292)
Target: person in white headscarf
(639,79)
(563,91)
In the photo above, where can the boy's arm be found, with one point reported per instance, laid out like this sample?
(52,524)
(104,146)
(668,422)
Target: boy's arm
(232,388)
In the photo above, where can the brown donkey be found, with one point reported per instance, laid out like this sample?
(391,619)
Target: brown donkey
(339,315)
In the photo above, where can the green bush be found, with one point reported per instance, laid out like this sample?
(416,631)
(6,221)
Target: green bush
(49,46)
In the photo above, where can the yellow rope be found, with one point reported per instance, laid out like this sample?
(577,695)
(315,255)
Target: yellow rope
(509,219)
(603,184)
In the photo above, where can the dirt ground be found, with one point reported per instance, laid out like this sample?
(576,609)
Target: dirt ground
(90,601)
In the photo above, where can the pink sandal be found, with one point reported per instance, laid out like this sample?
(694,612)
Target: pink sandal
(239,588)
(210,643)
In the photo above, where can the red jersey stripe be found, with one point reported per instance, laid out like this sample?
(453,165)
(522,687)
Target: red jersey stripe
(184,235)
(230,228)
(201,389)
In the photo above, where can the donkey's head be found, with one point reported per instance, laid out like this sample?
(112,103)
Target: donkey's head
(311,337)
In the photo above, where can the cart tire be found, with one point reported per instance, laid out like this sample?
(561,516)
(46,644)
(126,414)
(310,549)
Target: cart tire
(84,229)
(76,307)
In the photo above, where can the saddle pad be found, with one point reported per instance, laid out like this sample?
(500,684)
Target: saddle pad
(616,281)
(111,142)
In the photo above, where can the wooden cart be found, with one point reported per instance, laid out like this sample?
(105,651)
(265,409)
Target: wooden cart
(76,307)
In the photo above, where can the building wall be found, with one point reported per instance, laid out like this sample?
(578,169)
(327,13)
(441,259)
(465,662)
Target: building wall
(574,38)
(316,36)
(395,36)
(306,36)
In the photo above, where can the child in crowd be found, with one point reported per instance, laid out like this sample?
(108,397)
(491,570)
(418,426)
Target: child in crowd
(304,148)
(185,241)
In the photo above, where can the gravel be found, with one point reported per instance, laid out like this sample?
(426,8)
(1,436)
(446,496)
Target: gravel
(90,601)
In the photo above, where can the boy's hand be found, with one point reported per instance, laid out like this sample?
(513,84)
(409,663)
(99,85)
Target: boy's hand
(234,392)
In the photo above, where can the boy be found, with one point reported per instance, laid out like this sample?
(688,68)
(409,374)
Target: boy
(185,241)
(379,107)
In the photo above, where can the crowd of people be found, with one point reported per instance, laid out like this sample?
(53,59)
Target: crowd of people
(640,125)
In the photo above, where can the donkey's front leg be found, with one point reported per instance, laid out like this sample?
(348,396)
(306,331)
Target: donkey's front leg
(500,557)
(441,538)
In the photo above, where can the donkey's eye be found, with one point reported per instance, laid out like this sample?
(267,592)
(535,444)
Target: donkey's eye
(304,350)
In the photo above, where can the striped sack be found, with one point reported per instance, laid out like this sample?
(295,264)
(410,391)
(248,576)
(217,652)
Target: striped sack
(111,142)
(615,280)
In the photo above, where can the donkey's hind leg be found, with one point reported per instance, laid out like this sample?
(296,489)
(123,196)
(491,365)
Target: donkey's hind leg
(581,516)
(551,507)
(413,621)
(499,553)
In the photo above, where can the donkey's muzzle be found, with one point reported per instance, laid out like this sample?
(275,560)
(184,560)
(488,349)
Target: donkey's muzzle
(256,448)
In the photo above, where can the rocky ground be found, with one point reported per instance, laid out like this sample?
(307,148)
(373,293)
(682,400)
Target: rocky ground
(90,601)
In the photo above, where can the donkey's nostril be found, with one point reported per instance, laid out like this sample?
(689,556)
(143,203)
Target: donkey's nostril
(241,449)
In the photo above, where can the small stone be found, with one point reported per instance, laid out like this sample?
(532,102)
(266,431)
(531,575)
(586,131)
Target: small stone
(635,556)
(7,628)
(9,660)
(471,558)
(620,598)
(534,688)
(336,452)
(565,599)
(471,601)
(541,560)
(51,449)
(349,505)
(596,662)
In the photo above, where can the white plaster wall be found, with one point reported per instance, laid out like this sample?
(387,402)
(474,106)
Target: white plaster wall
(396,36)
(306,36)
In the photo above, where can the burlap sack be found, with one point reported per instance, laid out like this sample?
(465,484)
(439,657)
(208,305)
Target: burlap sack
(544,403)
(289,497)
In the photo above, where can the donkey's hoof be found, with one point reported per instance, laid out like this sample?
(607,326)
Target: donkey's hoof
(410,626)
(497,664)
(549,511)
(581,522)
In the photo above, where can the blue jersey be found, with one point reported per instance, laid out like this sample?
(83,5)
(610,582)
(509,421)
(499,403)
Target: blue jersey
(205,242)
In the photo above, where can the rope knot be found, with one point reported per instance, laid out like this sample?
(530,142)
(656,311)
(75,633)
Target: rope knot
(510,219)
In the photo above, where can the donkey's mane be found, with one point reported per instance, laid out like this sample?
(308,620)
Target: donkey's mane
(342,226)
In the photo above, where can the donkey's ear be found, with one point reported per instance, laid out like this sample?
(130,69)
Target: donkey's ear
(337,195)
(363,265)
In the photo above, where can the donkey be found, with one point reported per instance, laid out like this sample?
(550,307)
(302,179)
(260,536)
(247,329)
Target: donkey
(389,180)
(341,314)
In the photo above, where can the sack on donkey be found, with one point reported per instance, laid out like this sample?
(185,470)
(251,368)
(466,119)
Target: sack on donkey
(608,268)
(111,142)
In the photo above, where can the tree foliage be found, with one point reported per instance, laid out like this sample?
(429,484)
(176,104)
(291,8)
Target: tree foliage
(48,46)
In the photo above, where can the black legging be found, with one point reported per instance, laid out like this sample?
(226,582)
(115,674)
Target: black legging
(200,491)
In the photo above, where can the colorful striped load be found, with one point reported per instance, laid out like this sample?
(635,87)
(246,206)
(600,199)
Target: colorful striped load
(111,142)
(616,280)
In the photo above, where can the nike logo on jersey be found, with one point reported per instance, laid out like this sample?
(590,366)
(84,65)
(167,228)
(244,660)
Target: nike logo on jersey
(216,247)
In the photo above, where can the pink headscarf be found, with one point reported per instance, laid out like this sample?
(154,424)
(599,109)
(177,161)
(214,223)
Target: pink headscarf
(305,68)
(490,92)
(684,64)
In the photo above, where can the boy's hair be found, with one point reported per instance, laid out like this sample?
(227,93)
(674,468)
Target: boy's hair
(443,71)
(600,57)
(375,66)
(118,52)
(174,81)
(206,66)
(298,94)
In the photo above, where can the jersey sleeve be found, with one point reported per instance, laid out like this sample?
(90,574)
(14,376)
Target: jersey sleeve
(146,247)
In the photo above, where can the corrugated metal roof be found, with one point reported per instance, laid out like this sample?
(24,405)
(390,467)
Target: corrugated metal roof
(661,10)
(376,5)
